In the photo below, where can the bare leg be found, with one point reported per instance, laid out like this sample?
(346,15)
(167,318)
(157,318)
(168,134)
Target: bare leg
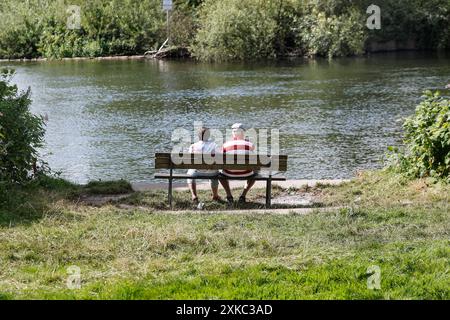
(193,188)
(226,186)
(250,183)
(215,192)
(215,189)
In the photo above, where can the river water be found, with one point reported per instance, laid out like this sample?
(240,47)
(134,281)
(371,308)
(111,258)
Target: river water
(107,118)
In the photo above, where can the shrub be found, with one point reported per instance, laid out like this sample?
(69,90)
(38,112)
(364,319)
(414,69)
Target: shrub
(426,22)
(236,29)
(427,140)
(123,26)
(223,29)
(182,28)
(57,42)
(21,132)
(19,34)
(333,35)
(108,27)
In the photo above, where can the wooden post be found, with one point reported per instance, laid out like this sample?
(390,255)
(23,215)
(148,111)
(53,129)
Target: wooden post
(269,191)
(170,189)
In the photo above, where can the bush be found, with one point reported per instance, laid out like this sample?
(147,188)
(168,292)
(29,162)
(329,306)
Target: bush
(123,26)
(182,28)
(333,35)
(236,29)
(222,29)
(19,33)
(38,28)
(56,42)
(21,132)
(425,21)
(427,140)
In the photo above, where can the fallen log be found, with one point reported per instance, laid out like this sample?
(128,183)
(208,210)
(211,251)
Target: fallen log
(169,53)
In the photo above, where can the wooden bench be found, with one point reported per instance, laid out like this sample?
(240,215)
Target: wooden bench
(268,167)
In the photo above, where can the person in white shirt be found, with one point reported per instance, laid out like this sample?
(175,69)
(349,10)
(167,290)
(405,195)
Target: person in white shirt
(205,146)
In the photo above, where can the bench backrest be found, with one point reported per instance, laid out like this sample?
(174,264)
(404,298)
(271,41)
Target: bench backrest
(220,161)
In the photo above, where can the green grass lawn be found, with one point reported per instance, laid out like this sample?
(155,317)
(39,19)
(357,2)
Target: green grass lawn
(132,249)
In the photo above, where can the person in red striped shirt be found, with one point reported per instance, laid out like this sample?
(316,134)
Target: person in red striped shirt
(238,145)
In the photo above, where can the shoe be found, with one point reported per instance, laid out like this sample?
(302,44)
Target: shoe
(218,199)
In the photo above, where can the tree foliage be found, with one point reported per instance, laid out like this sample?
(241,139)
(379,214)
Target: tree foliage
(21,132)
(218,29)
(333,35)
(427,140)
(232,29)
(114,27)
(235,29)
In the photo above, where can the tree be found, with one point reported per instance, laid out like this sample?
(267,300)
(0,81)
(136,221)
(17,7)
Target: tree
(21,132)
(427,140)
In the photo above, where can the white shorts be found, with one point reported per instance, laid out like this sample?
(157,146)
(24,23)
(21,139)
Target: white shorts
(194,172)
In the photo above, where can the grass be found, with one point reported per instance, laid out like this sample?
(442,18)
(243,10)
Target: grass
(107,187)
(132,249)
(23,204)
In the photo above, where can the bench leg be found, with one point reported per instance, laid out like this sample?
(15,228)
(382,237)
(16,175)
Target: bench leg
(268,193)
(170,193)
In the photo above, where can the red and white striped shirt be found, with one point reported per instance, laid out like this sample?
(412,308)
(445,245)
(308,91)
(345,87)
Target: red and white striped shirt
(238,146)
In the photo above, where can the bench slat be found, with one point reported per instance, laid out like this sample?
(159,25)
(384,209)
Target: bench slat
(200,177)
(216,166)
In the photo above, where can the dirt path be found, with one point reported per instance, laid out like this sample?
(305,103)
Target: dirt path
(147,186)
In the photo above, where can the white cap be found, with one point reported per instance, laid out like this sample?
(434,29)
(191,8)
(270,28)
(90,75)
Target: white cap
(237,126)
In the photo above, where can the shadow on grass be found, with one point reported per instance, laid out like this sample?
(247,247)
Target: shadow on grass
(158,200)
(27,203)
(46,196)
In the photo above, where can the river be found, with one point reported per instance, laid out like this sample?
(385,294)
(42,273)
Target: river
(107,118)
